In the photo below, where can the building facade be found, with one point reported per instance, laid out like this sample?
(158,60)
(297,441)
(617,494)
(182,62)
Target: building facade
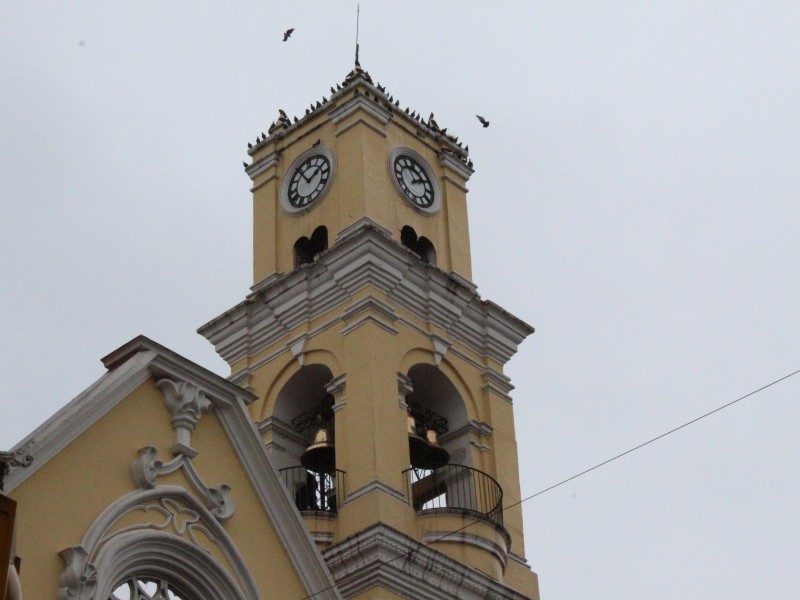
(363,445)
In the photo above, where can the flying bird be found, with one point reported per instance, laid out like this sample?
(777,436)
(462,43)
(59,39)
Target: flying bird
(483,121)
(287,34)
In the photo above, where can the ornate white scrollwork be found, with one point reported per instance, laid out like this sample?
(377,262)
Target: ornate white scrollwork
(187,403)
(168,530)
(79,578)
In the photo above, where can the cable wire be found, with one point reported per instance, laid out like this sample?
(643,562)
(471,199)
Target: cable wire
(408,554)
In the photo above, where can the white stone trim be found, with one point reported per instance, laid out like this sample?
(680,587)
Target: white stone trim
(366,256)
(267,162)
(164,545)
(470,539)
(382,556)
(129,367)
(372,486)
(132,365)
(356,103)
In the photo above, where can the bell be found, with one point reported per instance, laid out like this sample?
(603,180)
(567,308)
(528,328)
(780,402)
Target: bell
(418,447)
(321,455)
(437,456)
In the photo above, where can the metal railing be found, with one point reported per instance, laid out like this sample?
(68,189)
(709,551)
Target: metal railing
(455,488)
(317,491)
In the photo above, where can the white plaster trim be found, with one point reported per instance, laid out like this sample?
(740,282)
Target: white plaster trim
(258,167)
(297,347)
(263,182)
(470,539)
(106,555)
(274,425)
(129,367)
(455,182)
(356,103)
(277,504)
(372,486)
(440,348)
(336,386)
(463,172)
(361,121)
(369,319)
(380,556)
(367,256)
(519,559)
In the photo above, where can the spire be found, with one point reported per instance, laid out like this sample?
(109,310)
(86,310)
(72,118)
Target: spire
(358,17)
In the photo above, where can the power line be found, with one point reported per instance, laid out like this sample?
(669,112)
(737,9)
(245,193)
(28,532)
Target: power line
(408,554)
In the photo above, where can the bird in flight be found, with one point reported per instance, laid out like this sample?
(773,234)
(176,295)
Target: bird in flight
(483,121)
(287,34)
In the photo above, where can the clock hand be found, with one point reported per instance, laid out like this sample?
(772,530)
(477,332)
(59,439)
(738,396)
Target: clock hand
(308,179)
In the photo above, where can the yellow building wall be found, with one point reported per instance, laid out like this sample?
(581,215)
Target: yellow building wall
(60,501)
(362,187)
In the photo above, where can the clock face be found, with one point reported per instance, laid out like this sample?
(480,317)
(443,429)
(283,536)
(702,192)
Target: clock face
(413,180)
(308,180)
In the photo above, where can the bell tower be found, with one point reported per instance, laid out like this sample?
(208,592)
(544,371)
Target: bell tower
(378,368)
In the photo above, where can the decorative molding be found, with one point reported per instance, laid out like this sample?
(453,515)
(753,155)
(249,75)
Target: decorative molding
(469,539)
(372,486)
(262,164)
(497,383)
(187,403)
(355,104)
(365,255)
(336,386)
(463,172)
(297,348)
(173,536)
(378,312)
(383,557)
(147,468)
(404,387)
(440,348)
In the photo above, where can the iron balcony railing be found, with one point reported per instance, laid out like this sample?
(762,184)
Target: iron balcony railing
(455,488)
(317,491)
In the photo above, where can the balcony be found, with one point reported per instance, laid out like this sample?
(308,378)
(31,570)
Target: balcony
(455,489)
(314,491)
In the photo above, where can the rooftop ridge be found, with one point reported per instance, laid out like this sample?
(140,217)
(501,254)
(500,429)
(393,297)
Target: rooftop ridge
(356,80)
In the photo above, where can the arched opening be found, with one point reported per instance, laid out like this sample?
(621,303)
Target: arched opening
(303,439)
(435,402)
(306,250)
(422,246)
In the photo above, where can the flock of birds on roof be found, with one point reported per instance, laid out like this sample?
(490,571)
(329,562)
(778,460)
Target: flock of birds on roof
(383,98)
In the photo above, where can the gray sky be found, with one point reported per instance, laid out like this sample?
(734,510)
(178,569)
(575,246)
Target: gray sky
(635,199)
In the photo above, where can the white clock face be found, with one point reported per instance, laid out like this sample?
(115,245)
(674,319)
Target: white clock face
(413,180)
(308,180)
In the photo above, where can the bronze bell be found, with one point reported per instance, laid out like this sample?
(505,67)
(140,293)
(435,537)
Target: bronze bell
(437,456)
(418,447)
(321,455)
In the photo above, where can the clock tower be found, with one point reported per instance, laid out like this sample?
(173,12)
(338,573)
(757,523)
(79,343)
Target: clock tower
(378,369)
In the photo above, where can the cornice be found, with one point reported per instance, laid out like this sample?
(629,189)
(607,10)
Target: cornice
(365,256)
(380,556)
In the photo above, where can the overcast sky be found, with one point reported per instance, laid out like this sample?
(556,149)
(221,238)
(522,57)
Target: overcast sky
(635,199)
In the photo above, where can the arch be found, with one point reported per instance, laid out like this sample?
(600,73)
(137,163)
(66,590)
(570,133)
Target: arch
(170,539)
(421,246)
(306,250)
(434,393)
(291,365)
(301,405)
